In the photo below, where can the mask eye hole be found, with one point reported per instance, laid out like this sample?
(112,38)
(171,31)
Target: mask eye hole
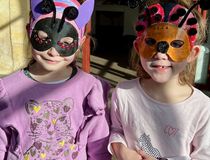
(150,41)
(67,40)
(67,43)
(177,43)
(42,35)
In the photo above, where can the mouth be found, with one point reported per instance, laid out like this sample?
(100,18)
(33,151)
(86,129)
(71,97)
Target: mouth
(50,61)
(160,66)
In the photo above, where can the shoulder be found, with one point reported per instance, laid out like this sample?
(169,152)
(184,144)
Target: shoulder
(85,77)
(200,96)
(129,89)
(128,86)
(12,78)
(92,80)
(201,101)
(93,85)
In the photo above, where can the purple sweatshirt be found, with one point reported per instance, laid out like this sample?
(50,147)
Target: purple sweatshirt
(64,121)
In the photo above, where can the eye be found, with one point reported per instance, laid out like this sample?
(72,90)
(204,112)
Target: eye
(177,43)
(150,41)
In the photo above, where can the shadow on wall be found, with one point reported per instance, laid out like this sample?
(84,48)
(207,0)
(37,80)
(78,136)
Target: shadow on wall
(13,37)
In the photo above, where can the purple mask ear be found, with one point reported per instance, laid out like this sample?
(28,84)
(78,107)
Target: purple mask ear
(85,12)
(34,3)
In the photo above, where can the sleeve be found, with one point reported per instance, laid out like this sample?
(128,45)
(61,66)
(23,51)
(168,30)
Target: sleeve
(3,142)
(117,134)
(201,141)
(99,131)
(3,115)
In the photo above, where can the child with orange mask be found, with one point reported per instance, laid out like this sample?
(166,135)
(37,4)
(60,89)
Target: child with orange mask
(160,115)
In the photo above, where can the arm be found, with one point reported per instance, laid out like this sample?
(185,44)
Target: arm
(117,143)
(99,131)
(121,152)
(201,141)
(9,136)
(3,116)
(98,139)
(3,142)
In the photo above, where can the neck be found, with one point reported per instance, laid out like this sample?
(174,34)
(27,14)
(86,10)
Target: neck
(42,75)
(169,92)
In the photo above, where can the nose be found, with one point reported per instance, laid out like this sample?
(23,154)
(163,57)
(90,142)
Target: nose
(53,52)
(162,46)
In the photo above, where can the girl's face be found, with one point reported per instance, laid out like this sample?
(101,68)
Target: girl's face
(50,59)
(54,49)
(161,68)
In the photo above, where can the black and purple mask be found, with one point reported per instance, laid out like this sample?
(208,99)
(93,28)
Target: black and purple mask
(59,19)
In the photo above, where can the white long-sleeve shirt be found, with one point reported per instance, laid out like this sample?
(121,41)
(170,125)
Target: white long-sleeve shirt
(178,131)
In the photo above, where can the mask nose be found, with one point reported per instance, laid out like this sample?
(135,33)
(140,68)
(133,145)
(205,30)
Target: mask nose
(162,46)
(53,52)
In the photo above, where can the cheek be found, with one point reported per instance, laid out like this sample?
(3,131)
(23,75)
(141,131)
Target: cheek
(36,53)
(179,67)
(69,59)
(144,62)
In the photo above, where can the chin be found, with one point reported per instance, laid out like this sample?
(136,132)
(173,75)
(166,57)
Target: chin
(51,68)
(161,79)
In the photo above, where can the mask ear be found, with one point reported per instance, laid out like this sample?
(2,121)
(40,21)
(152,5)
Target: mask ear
(85,12)
(195,51)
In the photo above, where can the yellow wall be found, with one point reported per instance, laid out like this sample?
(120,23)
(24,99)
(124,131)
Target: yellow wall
(13,36)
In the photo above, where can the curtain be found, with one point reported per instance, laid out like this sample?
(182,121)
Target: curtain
(14,50)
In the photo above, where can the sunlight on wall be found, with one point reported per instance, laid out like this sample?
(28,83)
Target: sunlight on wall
(13,36)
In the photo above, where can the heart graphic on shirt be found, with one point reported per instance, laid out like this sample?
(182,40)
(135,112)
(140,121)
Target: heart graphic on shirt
(72,147)
(66,153)
(33,152)
(33,126)
(61,143)
(47,147)
(169,130)
(37,145)
(66,108)
(56,110)
(36,108)
(46,115)
(74,155)
(26,157)
(43,155)
(54,121)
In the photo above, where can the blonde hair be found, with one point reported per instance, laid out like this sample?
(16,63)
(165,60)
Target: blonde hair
(188,74)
